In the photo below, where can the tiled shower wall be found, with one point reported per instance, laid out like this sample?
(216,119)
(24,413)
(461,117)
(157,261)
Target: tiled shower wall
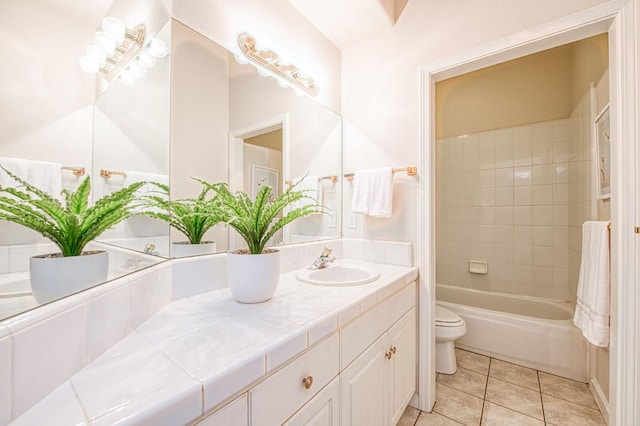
(502,197)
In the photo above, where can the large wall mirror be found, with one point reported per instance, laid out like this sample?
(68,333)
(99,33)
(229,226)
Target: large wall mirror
(196,113)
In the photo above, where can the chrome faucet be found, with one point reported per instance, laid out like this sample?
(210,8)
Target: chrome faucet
(323,260)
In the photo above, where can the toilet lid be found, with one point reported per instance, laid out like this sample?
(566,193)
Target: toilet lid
(446,317)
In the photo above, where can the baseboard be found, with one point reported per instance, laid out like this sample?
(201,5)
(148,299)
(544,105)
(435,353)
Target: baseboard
(601,399)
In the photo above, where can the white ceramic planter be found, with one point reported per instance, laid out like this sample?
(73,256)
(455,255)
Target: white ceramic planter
(185,248)
(55,277)
(253,278)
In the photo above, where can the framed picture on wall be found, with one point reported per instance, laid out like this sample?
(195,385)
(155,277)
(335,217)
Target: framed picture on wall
(603,154)
(260,176)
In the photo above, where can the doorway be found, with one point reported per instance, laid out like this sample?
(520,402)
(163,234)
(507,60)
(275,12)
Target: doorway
(258,157)
(618,21)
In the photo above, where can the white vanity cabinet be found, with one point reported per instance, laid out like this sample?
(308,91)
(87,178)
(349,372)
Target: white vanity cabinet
(378,355)
(378,385)
(363,374)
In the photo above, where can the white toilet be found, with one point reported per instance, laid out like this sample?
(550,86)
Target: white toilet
(449,327)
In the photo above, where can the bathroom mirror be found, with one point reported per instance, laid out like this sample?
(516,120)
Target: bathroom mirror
(131,144)
(279,136)
(218,110)
(227,121)
(158,126)
(47,114)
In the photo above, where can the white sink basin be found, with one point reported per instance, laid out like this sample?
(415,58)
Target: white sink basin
(339,274)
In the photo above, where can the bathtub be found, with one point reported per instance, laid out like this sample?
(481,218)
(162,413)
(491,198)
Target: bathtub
(537,333)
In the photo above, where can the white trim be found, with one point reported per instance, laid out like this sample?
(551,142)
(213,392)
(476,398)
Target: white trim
(600,398)
(625,338)
(619,17)
(427,278)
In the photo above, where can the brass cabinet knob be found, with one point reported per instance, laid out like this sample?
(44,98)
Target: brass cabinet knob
(388,355)
(307,382)
(393,349)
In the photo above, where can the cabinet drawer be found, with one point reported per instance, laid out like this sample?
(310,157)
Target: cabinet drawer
(401,302)
(279,396)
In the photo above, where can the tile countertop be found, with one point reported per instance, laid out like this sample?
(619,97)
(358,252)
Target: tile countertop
(199,351)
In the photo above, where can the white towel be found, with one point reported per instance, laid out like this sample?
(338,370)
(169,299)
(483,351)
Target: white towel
(592,307)
(373,192)
(311,187)
(44,175)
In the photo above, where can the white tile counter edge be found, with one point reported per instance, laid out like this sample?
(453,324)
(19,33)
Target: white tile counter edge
(230,346)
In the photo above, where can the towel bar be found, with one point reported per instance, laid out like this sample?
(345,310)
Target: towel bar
(411,171)
(108,173)
(78,171)
(332,178)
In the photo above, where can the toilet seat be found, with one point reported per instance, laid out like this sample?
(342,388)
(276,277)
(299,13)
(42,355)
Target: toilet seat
(446,318)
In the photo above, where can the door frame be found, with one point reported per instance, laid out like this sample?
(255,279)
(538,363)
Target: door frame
(619,19)
(236,173)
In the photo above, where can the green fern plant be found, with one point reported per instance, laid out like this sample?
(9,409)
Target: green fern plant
(191,216)
(70,225)
(258,220)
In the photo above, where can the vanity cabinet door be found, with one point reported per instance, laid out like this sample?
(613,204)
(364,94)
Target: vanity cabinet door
(363,390)
(234,413)
(402,345)
(322,410)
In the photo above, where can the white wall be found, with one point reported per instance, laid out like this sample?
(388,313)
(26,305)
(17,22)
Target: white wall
(381,85)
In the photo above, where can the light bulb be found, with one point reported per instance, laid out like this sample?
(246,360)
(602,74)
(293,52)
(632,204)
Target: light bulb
(262,72)
(158,48)
(105,41)
(282,83)
(128,77)
(146,58)
(114,27)
(89,64)
(97,52)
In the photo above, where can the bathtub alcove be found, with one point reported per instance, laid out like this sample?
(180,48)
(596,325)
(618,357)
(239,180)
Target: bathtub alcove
(533,332)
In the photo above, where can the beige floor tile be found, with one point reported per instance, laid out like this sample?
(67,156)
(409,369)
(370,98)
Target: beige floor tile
(495,415)
(517,398)
(457,405)
(472,361)
(515,374)
(409,416)
(567,389)
(560,412)
(466,381)
(435,419)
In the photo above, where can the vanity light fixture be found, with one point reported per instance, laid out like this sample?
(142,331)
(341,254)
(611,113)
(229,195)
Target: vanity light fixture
(121,52)
(274,65)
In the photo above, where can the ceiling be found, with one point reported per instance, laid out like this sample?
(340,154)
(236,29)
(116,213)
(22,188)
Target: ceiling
(346,22)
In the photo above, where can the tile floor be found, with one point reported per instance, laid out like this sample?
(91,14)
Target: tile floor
(487,391)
